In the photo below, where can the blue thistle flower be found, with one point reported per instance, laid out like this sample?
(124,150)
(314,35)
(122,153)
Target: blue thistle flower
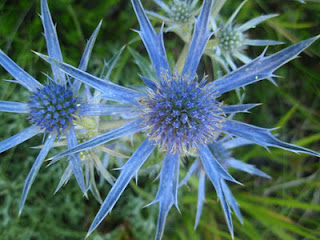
(231,40)
(182,115)
(179,16)
(181,11)
(178,11)
(53,107)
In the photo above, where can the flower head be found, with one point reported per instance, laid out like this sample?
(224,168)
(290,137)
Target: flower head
(51,108)
(181,114)
(166,113)
(179,15)
(231,41)
(181,11)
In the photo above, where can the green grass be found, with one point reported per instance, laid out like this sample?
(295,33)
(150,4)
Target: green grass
(286,207)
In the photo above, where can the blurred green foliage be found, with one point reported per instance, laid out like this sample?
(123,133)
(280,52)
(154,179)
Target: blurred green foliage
(286,207)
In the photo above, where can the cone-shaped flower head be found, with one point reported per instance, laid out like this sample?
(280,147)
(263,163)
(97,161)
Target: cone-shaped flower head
(178,11)
(231,40)
(181,11)
(52,107)
(181,114)
(179,16)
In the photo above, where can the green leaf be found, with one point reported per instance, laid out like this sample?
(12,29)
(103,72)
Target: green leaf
(278,201)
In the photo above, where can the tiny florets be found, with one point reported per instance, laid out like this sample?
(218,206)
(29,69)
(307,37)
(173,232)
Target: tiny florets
(86,155)
(52,107)
(181,11)
(230,39)
(182,114)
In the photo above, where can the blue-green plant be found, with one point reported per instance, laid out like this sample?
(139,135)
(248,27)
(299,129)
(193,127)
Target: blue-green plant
(52,108)
(181,114)
(179,17)
(231,41)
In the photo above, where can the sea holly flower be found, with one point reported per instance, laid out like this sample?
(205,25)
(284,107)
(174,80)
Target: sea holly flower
(52,108)
(231,40)
(179,16)
(182,114)
(221,150)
